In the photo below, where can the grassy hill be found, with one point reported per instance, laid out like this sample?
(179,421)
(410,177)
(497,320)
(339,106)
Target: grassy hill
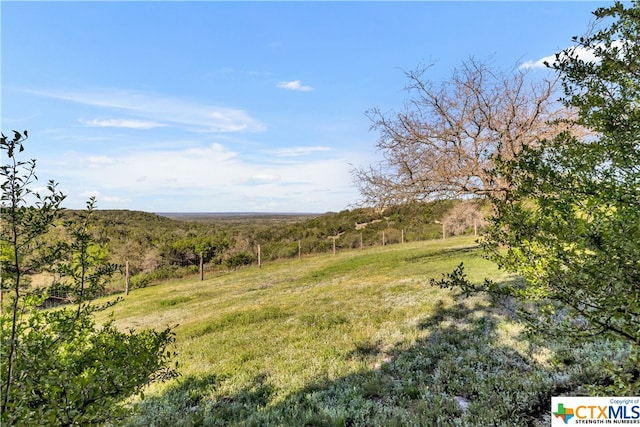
(357,338)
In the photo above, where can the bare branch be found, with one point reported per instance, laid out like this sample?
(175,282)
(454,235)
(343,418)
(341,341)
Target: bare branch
(446,139)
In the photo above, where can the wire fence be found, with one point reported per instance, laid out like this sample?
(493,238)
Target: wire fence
(257,255)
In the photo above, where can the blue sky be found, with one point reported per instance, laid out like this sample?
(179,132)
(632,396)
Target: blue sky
(238,106)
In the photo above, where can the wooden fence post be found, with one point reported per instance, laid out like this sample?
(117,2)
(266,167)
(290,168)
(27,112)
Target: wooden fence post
(360,241)
(299,250)
(259,258)
(201,268)
(334,244)
(402,236)
(383,241)
(127,278)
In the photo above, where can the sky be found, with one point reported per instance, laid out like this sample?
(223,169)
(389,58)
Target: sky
(239,106)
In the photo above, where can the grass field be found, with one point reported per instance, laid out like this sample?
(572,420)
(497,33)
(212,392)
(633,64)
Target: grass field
(357,338)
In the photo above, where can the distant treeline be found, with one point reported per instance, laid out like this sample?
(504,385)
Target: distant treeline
(158,247)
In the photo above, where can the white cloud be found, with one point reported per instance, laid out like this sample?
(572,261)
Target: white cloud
(297,151)
(162,109)
(122,123)
(102,198)
(97,161)
(580,52)
(540,63)
(295,85)
(210,178)
(264,178)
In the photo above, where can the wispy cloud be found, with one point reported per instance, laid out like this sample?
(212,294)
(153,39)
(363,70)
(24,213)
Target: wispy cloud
(295,85)
(121,123)
(264,178)
(297,151)
(98,161)
(161,109)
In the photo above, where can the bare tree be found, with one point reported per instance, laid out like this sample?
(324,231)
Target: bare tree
(444,142)
(468,214)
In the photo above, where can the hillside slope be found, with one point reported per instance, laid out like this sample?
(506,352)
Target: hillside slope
(357,338)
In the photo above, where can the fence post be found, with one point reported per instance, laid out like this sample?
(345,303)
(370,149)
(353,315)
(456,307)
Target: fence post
(299,250)
(334,244)
(402,236)
(383,241)
(127,278)
(259,260)
(201,268)
(360,241)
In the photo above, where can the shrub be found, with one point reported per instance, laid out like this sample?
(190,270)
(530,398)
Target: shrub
(239,259)
(70,372)
(143,280)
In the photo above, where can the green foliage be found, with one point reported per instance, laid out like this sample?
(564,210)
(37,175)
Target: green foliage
(571,227)
(143,280)
(237,260)
(58,367)
(25,217)
(71,372)
(573,223)
(186,251)
(81,270)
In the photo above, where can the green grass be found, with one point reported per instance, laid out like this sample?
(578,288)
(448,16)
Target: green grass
(279,313)
(357,338)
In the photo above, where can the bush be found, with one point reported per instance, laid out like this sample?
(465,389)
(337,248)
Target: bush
(70,372)
(239,259)
(143,280)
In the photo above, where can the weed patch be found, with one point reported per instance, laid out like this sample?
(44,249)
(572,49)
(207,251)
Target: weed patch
(324,320)
(174,301)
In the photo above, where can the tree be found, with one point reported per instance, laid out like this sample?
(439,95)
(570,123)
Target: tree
(464,215)
(443,143)
(187,251)
(571,226)
(81,270)
(57,366)
(26,216)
